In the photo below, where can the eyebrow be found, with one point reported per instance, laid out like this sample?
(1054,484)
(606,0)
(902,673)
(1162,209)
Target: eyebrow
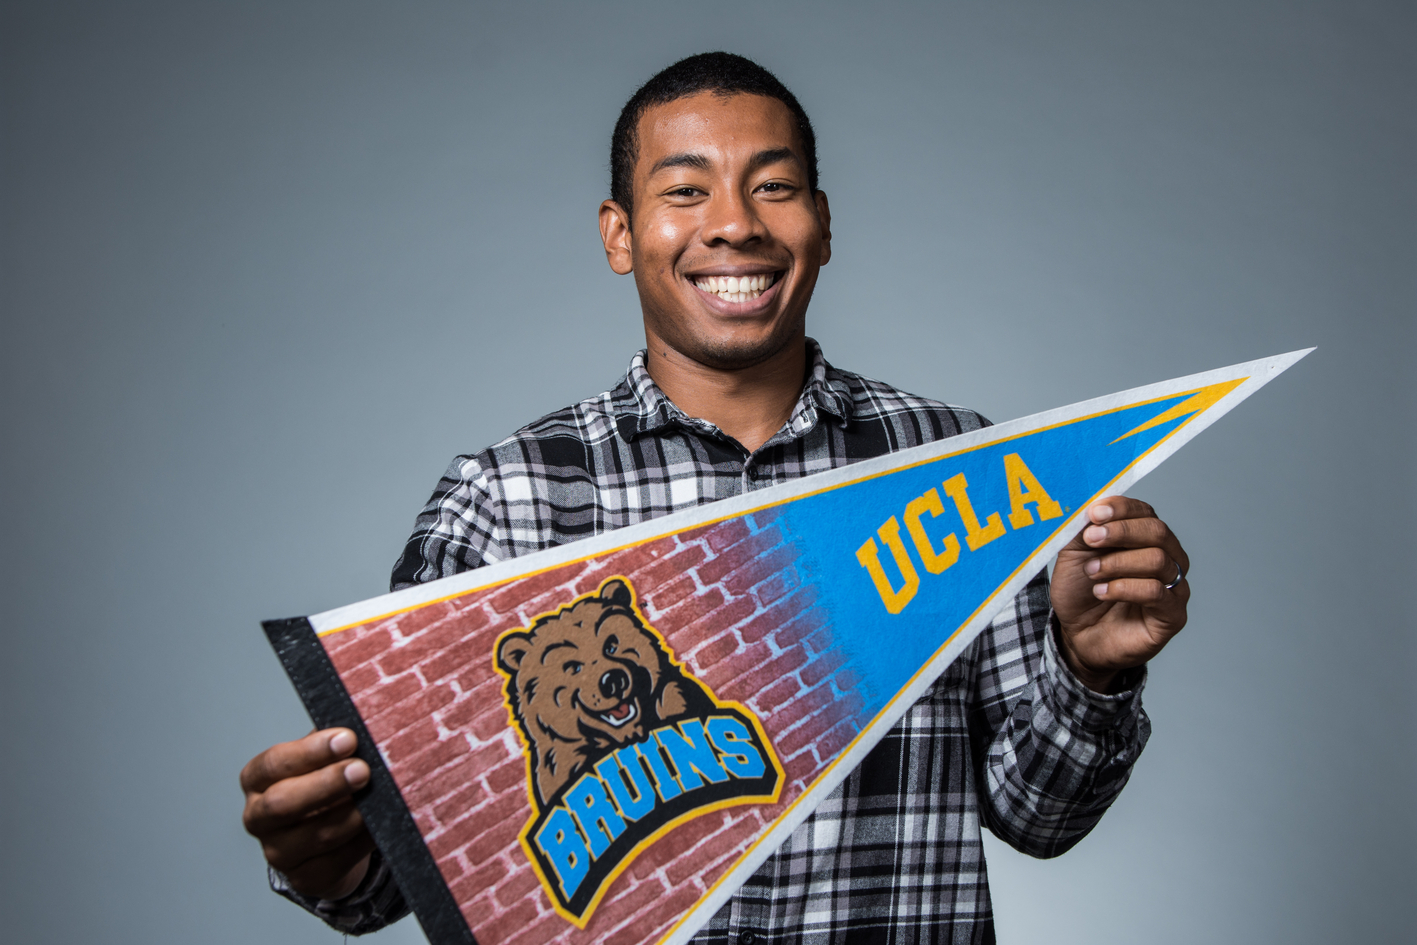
(699,162)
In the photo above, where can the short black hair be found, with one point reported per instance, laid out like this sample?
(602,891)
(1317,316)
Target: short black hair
(722,73)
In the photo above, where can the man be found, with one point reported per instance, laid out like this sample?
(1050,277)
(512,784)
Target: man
(716,211)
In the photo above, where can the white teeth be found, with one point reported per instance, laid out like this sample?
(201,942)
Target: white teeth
(736,288)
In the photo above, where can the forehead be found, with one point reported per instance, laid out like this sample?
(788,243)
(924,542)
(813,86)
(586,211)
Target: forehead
(722,128)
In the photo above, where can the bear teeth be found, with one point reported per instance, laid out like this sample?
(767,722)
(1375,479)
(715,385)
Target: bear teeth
(607,717)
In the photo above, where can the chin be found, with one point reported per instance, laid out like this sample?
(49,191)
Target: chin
(737,353)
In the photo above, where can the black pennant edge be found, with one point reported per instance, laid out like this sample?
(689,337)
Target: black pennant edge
(387,816)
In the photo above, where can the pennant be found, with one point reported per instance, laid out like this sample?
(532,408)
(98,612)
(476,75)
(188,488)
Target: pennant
(602,741)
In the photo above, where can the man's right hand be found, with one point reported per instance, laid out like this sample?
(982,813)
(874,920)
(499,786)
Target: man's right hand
(300,805)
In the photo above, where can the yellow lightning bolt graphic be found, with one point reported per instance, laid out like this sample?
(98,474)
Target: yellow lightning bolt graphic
(1199,401)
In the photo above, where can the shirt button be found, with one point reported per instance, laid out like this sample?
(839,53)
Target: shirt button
(750,938)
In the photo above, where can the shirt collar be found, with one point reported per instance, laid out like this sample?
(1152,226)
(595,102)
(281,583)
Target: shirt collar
(647,409)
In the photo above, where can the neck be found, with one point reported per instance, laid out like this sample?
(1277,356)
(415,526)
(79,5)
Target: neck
(749,404)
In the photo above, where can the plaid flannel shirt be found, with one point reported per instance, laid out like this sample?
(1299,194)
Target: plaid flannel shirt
(1006,738)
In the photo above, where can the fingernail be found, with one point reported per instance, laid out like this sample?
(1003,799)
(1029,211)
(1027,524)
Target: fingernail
(1101,513)
(1092,567)
(342,743)
(1094,534)
(1099,590)
(357,774)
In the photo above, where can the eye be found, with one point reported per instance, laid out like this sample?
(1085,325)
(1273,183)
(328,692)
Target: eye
(611,645)
(573,667)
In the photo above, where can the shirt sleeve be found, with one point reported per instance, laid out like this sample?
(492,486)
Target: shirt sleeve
(455,532)
(1050,754)
(375,902)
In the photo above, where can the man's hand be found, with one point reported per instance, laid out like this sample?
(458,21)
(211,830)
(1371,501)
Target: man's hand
(1110,595)
(299,804)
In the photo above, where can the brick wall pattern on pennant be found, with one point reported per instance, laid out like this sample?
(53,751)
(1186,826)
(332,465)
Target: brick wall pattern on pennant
(729,601)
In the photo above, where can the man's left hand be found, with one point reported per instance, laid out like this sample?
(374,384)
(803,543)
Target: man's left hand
(1110,595)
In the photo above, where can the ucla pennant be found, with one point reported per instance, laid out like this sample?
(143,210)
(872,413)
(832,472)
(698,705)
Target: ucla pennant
(603,740)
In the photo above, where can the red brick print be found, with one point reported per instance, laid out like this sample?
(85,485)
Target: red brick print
(813,700)
(482,878)
(362,679)
(726,534)
(460,803)
(504,777)
(490,723)
(669,594)
(690,610)
(512,597)
(726,617)
(440,785)
(741,580)
(516,887)
(414,622)
(799,627)
(715,650)
(508,923)
(777,585)
(398,661)
(540,931)
(667,568)
(822,667)
(375,699)
(775,616)
(491,755)
(421,704)
(740,554)
(642,896)
(764,676)
(778,693)
(347,652)
(410,740)
(434,757)
(450,662)
(835,740)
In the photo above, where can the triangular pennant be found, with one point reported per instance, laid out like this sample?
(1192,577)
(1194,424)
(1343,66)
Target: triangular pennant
(604,740)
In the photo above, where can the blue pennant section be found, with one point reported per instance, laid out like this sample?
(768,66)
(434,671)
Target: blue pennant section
(1019,493)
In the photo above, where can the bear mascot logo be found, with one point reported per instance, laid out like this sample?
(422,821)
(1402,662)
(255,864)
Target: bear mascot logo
(621,742)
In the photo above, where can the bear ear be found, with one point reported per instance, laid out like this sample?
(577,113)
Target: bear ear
(512,650)
(617,592)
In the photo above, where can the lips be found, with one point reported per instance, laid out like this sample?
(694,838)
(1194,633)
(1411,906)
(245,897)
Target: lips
(622,714)
(738,295)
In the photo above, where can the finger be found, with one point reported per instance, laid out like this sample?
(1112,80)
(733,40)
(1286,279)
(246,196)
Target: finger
(290,759)
(1139,563)
(324,877)
(1117,507)
(1167,604)
(313,837)
(291,800)
(1136,533)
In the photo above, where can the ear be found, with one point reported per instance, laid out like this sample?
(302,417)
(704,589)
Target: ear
(617,592)
(512,650)
(824,214)
(615,234)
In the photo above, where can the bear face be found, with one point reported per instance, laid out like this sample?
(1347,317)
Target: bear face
(587,680)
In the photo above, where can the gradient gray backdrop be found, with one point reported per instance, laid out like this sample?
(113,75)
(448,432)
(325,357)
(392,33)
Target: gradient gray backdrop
(268,266)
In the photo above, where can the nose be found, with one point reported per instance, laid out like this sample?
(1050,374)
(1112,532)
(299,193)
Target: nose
(614,684)
(733,219)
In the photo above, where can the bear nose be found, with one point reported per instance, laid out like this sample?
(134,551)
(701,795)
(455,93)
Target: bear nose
(614,684)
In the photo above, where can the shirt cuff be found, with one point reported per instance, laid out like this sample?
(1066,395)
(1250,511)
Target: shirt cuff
(371,905)
(1079,707)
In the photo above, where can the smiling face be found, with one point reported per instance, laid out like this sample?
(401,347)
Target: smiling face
(727,237)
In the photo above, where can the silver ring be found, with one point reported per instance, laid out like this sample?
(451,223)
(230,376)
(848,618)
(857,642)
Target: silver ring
(1180,576)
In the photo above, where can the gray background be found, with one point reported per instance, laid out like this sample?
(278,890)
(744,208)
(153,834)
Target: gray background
(268,266)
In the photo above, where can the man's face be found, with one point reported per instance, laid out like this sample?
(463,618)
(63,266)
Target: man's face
(721,195)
